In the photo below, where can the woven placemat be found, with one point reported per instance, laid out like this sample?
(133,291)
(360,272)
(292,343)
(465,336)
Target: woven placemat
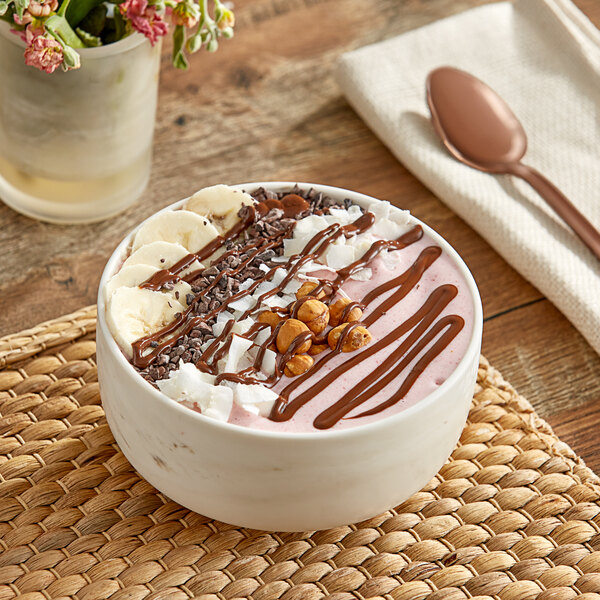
(514,514)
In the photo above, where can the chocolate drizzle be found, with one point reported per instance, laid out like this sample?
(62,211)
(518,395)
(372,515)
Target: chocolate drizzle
(425,337)
(169,276)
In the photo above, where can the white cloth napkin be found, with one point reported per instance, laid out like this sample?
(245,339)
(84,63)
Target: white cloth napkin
(543,58)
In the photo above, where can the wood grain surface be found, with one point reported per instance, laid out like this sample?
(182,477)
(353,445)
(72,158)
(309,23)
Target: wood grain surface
(266,107)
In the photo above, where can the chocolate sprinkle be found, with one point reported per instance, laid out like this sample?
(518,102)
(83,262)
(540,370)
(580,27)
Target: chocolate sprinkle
(266,226)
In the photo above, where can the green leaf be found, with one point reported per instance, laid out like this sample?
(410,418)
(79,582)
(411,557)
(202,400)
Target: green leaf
(179,59)
(120,25)
(95,21)
(91,41)
(60,28)
(77,10)
(3,7)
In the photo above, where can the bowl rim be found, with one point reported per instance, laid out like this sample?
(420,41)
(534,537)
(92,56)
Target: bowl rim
(474,346)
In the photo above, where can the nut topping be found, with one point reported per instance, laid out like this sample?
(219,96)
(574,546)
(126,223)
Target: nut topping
(299,364)
(270,318)
(306,288)
(336,312)
(288,332)
(315,314)
(317,349)
(357,338)
(294,205)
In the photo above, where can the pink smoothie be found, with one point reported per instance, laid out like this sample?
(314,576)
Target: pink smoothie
(442,271)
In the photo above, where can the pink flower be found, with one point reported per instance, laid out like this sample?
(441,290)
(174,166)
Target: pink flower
(227,19)
(33,29)
(42,8)
(37,9)
(144,19)
(181,15)
(44,53)
(27,18)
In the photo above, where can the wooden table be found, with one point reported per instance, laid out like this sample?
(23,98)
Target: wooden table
(265,107)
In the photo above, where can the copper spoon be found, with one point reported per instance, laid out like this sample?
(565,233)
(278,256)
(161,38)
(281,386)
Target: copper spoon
(480,130)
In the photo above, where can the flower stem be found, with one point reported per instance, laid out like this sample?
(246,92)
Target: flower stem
(59,27)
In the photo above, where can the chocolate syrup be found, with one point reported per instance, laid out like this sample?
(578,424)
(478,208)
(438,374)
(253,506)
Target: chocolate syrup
(170,275)
(426,334)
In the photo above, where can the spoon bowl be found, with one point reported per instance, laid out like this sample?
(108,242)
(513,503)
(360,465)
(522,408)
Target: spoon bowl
(475,124)
(479,129)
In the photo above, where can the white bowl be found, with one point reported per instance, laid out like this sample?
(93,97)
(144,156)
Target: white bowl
(283,481)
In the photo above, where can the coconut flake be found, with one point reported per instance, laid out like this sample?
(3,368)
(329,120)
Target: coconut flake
(241,327)
(354,212)
(362,275)
(401,217)
(263,288)
(218,328)
(362,243)
(294,245)
(292,287)
(221,403)
(339,256)
(275,302)
(340,215)
(224,316)
(254,396)
(279,276)
(310,226)
(388,229)
(312,267)
(262,336)
(189,385)
(268,363)
(242,304)
(381,210)
(237,348)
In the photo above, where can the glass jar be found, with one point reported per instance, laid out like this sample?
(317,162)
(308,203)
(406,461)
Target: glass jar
(76,147)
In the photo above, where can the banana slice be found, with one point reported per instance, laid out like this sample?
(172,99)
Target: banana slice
(129,276)
(134,312)
(133,275)
(183,227)
(162,255)
(220,203)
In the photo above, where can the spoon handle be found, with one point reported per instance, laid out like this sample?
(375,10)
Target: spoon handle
(563,207)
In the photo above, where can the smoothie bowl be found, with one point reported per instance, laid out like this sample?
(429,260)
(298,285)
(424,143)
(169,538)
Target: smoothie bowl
(286,356)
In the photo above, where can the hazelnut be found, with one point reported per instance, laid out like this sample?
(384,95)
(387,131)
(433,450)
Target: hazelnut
(272,203)
(317,349)
(261,209)
(294,205)
(299,364)
(288,332)
(270,318)
(357,338)
(336,310)
(315,314)
(306,288)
